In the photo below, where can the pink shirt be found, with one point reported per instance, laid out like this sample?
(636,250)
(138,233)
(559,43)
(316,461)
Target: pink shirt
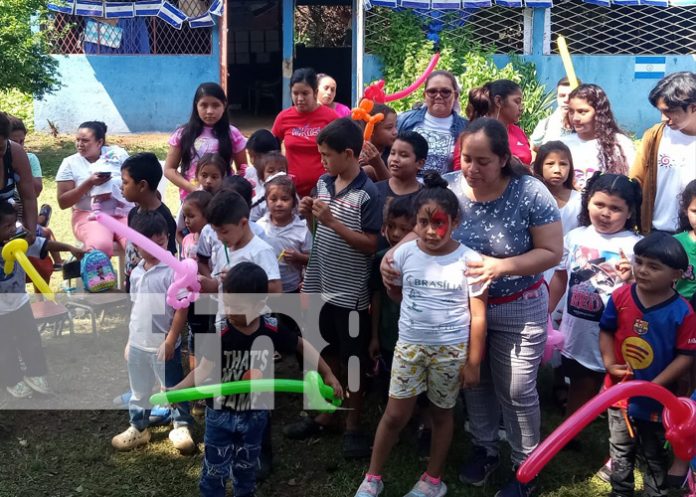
(519,145)
(189,246)
(205,143)
(341,110)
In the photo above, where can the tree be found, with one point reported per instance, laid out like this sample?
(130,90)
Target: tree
(25,63)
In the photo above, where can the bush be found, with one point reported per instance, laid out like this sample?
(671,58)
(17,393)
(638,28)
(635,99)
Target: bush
(405,44)
(18,104)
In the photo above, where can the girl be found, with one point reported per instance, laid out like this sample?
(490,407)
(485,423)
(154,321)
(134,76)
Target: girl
(269,165)
(207,131)
(260,143)
(286,232)
(375,152)
(440,344)
(598,143)
(687,237)
(327,93)
(298,126)
(595,263)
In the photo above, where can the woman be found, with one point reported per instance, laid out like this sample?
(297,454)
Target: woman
(298,127)
(436,121)
(75,181)
(513,221)
(327,93)
(598,144)
(15,172)
(502,100)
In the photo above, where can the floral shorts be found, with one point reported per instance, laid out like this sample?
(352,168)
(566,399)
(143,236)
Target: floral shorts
(427,368)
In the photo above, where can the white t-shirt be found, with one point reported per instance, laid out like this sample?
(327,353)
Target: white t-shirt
(151,317)
(77,169)
(590,259)
(676,167)
(295,236)
(210,246)
(436,130)
(586,158)
(549,129)
(569,220)
(435,305)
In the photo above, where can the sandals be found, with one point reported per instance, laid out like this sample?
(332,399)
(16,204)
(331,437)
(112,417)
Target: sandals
(46,212)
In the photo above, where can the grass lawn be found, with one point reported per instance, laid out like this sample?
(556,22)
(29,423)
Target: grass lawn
(67,453)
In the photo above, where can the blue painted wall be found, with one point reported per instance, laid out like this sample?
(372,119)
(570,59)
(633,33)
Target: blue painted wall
(130,93)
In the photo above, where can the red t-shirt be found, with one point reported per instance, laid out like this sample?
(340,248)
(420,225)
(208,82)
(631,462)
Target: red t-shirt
(299,133)
(519,147)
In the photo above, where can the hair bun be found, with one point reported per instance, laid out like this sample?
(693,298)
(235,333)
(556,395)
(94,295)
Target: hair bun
(432,179)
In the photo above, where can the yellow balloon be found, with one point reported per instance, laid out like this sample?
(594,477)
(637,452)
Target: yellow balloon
(567,62)
(16,250)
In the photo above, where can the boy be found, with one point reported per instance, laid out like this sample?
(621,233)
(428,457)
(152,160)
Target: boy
(234,424)
(153,350)
(406,158)
(647,332)
(347,219)
(18,331)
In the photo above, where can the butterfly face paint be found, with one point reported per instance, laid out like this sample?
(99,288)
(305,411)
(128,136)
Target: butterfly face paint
(433,226)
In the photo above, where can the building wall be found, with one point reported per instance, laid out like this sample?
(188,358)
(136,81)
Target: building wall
(130,93)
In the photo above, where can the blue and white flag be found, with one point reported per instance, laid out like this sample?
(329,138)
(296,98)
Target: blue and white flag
(416,4)
(384,3)
(204,21)
(216,8)
(538,4)
(446,4)
(171,15)
(148,8)
(625,2)
(509,3)
(601,3)
(62,6)
(655,3)
(650,67)
(476,4)
(682,3)
(91,8)
(118,10)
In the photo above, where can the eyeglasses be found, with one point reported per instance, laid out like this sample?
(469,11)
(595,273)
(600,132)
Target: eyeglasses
(444,92)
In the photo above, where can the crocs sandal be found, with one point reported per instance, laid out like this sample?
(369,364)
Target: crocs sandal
(46,212)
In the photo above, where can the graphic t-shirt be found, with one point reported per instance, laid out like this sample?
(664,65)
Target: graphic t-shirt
(687,285)
(586,159)
(240,353)
(436,131)
(648,340)
(298,131)
(590,258)
(676,167)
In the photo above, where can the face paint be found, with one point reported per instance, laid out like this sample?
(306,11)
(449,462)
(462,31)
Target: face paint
(441,220)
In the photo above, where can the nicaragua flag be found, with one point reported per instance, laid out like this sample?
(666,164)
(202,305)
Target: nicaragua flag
(204,21)
(650,67)
(216,8)
(509,3)
(62,6)
(446,4)
(118,10)
(147,8)
(90,8)
(171,15)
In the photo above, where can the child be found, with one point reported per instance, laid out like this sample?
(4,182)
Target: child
(235,424)
(17,325)
(270,165)
(375,152)
(210,172)
(207,131)
(686,286)
(442,332)
(286,232)
(194,213)
(648,332)
(347,221)
(594,264)
(406,158)
(399,219)
(259,144)
(153,351)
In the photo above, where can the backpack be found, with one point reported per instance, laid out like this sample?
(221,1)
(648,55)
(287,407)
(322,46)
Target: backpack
(97,272)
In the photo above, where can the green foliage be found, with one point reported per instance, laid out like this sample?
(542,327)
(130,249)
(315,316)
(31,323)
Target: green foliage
(25,63)
(18,104)
(405,51)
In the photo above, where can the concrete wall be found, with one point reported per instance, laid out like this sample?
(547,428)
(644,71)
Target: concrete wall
(130,93)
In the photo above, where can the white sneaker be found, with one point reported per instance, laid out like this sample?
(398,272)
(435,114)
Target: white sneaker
(426,489)
(181,439)
(20,391)
(370,487)
(130,439)
(38,384)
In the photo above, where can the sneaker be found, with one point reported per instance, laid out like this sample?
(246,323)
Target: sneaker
(479,467)
(130,439)
(181,439)
(424,488)
(370,487)
(604,473)
(160,415)
(20,391)
(38,384)
(516,489)
(122,400)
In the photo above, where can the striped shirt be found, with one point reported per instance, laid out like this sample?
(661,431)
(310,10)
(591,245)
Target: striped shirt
(336,270)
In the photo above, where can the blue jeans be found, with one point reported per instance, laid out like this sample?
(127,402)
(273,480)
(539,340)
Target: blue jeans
(232,448)
(144,372)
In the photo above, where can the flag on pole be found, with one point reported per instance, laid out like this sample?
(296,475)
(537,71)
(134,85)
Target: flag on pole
(216,8)
(509,3)
(147,8)
(118,10)
(476,4)
(171,15)
(204,21)
(650,67)
(416,4)
(90,8)
(62,6)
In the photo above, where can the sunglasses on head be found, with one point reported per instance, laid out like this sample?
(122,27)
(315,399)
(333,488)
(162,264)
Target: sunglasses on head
(433,92)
